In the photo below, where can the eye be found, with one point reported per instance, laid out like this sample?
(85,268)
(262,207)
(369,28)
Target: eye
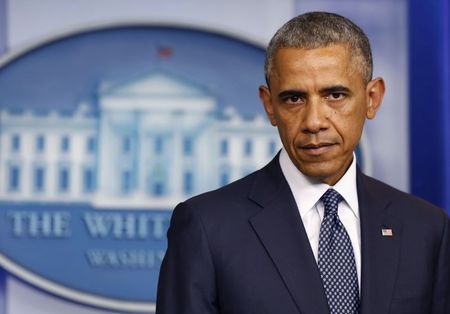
(335,96)
(293,99)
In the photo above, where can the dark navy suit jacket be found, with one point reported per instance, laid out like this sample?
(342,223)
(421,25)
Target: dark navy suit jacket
(242,249)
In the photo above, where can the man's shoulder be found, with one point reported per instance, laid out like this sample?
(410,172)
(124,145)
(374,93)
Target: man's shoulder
(401,202)
(229,202)
(238,188)
(265,180)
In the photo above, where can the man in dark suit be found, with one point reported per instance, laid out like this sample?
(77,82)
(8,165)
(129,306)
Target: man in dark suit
(309,233)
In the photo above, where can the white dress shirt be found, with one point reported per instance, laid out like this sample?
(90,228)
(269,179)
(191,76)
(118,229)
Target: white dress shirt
(307,193)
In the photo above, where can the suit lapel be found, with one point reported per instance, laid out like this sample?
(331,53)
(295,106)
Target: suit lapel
(379,254)
(280,229)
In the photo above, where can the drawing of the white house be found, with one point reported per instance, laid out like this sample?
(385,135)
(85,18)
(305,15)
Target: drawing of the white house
(146,143)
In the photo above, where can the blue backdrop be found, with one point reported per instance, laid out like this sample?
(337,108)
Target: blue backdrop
(430,100)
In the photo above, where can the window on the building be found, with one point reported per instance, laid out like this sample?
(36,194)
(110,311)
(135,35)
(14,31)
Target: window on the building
(223,148)
(65,144)
(158,145)
(126,144)
(91,145)
(158,188)
(64,179)
(248,147)
(224,176)
(246,171)
(89,180)
(39,179)
(158,179)
(187,146)
(15,143)
(40,143)
(126,181)
(14,178)
(188,182)
(272,148)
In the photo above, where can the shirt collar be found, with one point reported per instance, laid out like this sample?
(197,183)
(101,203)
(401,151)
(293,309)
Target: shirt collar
(307,191)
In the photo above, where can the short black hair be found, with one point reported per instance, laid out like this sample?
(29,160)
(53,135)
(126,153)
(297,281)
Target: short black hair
(319,29)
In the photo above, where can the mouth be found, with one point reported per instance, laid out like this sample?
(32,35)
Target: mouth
(316,149)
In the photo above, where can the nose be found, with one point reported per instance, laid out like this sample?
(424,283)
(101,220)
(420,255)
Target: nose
(315,117)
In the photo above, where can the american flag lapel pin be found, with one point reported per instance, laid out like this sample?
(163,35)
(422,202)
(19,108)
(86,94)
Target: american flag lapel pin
(387,232)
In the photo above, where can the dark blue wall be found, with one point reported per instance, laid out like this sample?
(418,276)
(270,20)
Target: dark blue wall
(430,100)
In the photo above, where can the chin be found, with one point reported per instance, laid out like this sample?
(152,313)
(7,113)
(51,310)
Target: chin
(317,171)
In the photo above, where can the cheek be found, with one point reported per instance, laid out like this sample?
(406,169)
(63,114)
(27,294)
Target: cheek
(288,131)
(354,114)
(288,126)
(350,129)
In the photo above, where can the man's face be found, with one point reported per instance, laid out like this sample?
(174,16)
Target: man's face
(318,100)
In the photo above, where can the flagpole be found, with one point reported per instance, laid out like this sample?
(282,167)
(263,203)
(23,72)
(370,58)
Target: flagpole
(3,27)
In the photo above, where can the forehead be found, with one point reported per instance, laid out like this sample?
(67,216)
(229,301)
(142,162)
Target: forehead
(333,62)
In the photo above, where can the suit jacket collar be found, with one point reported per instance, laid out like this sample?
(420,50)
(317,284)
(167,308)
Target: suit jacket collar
(279,227)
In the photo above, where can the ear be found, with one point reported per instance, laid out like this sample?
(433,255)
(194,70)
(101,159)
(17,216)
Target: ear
(374,96)
(266,99)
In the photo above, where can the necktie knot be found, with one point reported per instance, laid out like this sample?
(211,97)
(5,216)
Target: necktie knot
(331,199)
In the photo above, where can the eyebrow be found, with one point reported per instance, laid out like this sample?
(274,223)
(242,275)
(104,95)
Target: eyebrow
(334,89)
(323,91)
(292,92)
